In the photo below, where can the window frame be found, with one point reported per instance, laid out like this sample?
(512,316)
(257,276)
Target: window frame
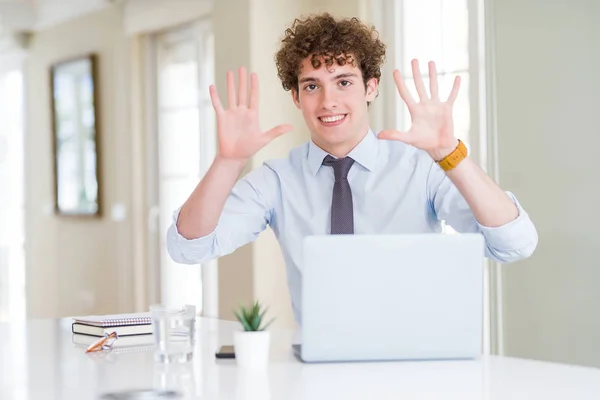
(386,114)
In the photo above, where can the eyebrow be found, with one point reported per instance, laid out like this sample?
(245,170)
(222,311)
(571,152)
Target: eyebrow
(339,76)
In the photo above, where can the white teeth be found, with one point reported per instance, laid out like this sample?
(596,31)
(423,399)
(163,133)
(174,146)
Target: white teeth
(332,119)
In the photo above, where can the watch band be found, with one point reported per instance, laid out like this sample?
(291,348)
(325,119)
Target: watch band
(453,159)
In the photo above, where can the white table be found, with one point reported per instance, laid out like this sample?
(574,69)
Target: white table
(39,361)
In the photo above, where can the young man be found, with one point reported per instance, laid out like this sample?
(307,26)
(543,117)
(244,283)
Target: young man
(346,179)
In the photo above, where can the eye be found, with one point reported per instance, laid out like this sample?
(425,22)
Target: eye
(345,83)
(310,88)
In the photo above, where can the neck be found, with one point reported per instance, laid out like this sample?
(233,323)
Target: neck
(340,150)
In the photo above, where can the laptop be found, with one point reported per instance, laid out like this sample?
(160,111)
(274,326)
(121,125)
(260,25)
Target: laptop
(391,297)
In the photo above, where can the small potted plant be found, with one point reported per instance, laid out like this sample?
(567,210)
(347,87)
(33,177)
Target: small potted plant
(252,343)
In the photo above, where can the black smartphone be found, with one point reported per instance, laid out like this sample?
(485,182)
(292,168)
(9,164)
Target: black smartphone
(225,352)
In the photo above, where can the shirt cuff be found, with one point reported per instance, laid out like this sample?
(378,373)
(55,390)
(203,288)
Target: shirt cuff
(189,251)
(517,234)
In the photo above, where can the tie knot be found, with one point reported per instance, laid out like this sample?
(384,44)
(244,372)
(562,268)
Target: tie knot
(341,166)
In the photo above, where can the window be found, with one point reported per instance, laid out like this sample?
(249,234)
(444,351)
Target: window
(12,235)
(186,147)
(451,33)
(432,30)
(436,30)
(12,212)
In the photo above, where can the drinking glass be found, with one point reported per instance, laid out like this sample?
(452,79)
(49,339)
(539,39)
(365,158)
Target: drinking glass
(173,332)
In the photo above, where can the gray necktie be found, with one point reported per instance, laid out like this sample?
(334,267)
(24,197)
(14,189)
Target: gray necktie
(342,214)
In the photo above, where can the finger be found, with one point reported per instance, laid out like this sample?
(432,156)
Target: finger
(433,81)
(214,98)
(243,87)
(278,131)
(454,91)
(418,80)
(391,134)
(253,91)
(403,90)
(231,90)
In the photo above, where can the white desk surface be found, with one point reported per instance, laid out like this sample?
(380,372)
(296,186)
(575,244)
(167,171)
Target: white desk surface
(39,361)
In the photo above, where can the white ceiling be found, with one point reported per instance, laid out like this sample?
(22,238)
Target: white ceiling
(33,15)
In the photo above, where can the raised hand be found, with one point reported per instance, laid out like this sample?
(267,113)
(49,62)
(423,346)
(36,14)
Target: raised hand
(238,131)
(432,127)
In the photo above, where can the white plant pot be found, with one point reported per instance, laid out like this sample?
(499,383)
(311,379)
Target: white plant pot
(252,349)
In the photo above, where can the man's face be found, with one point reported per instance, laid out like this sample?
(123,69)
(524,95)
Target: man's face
(333,101)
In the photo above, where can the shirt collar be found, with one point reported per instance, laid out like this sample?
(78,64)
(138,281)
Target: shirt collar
(365,153)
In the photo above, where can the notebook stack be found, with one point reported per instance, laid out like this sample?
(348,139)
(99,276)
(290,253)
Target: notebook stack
(125,344)
(132,329)
(123,324)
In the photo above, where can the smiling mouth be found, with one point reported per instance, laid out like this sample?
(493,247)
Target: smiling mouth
(332,119)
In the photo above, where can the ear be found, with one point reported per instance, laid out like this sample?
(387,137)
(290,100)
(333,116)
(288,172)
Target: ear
(372,89)
(296,98)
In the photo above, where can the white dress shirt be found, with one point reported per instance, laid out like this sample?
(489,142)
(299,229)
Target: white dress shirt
(396,188)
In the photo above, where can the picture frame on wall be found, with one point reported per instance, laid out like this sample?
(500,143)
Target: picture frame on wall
(75,133)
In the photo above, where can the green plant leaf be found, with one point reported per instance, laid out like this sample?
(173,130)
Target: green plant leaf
(255,321)
(252,317)
(243,321)
(238,316)
(267,324)
(262,316)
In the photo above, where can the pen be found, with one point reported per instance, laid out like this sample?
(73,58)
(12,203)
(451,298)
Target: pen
(99,344)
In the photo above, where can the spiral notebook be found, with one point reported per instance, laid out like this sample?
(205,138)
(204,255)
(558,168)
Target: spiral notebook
(123,324)
(106,321)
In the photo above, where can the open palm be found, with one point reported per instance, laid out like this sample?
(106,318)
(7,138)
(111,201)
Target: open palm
(238,131)
(432,124)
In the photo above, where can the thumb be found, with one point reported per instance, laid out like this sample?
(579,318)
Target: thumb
(391,134)
(278,131)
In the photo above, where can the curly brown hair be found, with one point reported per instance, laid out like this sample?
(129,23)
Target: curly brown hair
(322,37)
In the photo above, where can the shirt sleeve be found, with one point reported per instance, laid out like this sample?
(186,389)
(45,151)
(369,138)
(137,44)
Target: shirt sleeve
(247,212)
(513,241)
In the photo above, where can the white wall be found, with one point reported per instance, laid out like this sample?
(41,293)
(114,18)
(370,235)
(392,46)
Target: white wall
(150,16)
(94,266)
(78,266)
(547,63)
(231,24)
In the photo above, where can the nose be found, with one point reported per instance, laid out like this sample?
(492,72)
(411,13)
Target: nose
(328,99)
